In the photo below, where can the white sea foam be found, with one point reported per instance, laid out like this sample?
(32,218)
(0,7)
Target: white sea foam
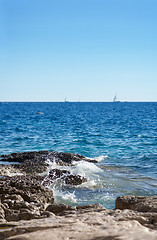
(62,192)
(90,184)
(101,158)
(62,196)
(54,165)
(85,169)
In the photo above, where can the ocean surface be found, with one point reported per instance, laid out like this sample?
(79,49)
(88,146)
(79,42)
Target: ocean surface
(122,136)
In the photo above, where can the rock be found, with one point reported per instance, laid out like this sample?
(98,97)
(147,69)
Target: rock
(57,173)
(65,176)
(31,167)
(36,162)
(91,208)
(70,157)
(59,209)
(41,157)
(85,224)
(137,203)
(27,209)
(23,197)
(30,162)
(75,179)
(2,213)
(9,170)
(28,187)
(21,157)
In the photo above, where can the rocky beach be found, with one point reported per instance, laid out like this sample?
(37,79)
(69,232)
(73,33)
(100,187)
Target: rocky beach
(28,209)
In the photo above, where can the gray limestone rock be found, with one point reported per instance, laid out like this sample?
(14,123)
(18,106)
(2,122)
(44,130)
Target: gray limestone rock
(87,222)
(23,197)
(137,203)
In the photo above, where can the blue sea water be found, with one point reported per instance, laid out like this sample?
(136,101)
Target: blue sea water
(122,136)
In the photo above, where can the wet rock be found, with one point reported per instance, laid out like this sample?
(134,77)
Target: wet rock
(31,166)
(137,203)
(70,157)
(36,162)
(42,156)
(75,179)
(65,176)
(57,173)
(21,157)
(30,162)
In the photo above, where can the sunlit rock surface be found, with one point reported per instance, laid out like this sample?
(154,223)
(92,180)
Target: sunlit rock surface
(88,222)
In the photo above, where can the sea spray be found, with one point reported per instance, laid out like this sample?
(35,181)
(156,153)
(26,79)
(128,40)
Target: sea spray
(67,193)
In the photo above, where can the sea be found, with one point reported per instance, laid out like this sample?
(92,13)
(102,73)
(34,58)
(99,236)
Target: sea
(121,136)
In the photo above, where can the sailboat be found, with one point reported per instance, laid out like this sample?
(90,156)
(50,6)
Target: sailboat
(115,98)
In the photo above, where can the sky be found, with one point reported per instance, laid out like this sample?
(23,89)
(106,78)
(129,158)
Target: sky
(86,50)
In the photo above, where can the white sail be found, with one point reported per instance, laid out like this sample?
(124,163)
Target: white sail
(115,98)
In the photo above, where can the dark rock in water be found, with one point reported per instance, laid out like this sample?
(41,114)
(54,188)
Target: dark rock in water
(30,162)
(42,156)
(23,197)
(57,173)
(75,179)
(137,203)
(31,167)
(21,157)
(27,167)
(69,157)
(64,175)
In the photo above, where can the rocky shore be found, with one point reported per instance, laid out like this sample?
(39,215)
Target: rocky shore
(28,211)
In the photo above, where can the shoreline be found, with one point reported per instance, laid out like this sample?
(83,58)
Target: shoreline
(28,211)
(88,222)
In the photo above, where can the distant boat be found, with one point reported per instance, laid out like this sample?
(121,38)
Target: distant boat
(65,100)
(115,98)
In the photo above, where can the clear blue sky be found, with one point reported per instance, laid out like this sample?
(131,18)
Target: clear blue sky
(79,49)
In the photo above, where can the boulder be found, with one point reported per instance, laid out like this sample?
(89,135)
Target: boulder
(137,203)
(59,209)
